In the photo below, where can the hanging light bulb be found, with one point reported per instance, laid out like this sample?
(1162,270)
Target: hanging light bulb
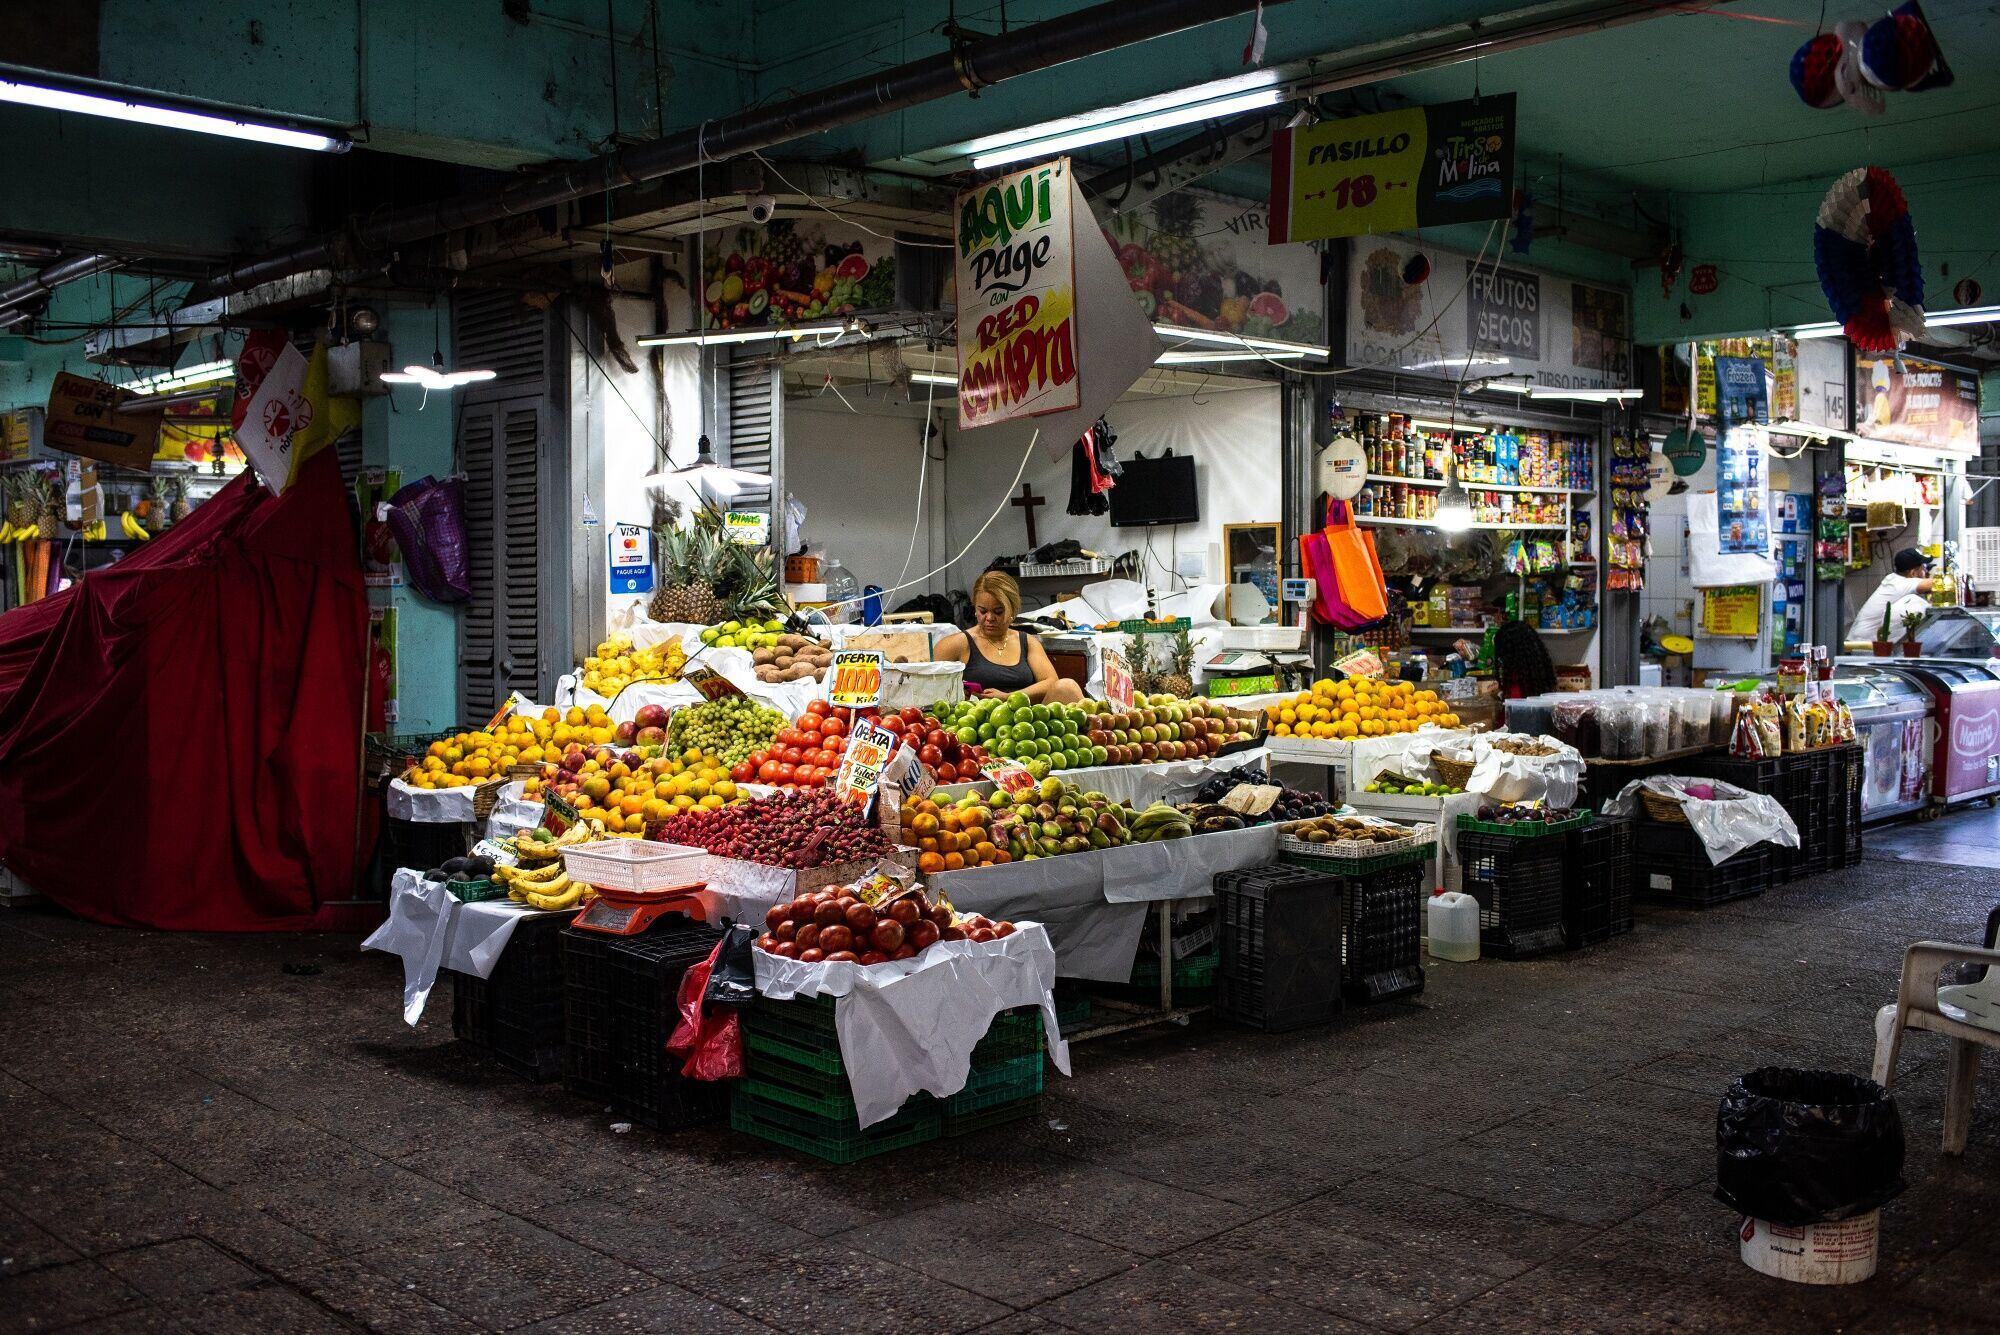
(1454,506)
(704,470)
(435,376)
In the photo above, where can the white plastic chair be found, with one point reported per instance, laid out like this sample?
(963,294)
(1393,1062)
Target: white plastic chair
(1966,1013)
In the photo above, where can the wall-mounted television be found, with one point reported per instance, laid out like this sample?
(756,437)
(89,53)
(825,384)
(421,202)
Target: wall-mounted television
(1155,492)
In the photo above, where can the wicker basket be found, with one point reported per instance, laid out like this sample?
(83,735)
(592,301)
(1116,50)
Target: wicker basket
(1457,773)
(486,796)
(1666,810)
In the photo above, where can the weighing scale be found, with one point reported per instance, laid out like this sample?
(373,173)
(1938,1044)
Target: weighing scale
(630,912)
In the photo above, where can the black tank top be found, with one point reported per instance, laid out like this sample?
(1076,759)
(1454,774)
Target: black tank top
(994,676)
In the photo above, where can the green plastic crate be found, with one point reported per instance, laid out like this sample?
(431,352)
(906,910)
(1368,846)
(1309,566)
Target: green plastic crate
(1006,1081)
(1194,980)
(964,1124)
(833,1139)
(822,1058)
(1014,1033)
(1473,825)
(1073,1009)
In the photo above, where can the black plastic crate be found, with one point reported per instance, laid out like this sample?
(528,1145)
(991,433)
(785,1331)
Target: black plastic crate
(1671,867)
(1519,884)
(418,845)
(1381,944)
(515,1015)
(1281,946)
(1597,890)
(621,1005)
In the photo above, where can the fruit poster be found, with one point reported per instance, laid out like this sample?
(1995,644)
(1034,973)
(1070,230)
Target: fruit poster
(1016,284)
(1205,261)
(1413,307)
(1915,402)
(1394,171)
(793,271)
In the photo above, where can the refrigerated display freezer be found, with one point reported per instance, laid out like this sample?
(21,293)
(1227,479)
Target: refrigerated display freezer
(1965,726)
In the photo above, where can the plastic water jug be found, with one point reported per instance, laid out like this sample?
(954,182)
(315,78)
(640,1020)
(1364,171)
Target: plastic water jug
(1454,926)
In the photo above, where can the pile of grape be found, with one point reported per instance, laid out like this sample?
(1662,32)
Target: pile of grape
(731,728)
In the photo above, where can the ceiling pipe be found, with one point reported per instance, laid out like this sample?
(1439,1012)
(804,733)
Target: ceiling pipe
(53,277)
(965,68)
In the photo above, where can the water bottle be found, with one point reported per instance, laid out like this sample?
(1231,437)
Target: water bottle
(842,589)
(1454,926)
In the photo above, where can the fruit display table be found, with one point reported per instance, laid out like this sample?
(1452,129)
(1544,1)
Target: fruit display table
(1137,785)
(432,930)
(910,1026)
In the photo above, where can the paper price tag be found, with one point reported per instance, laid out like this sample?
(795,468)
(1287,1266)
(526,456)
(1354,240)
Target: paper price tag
(1117,680)
(513,702)
(1360,663)
(869,747)
(1009,776)
(855,680)
(712,684)
(557,814)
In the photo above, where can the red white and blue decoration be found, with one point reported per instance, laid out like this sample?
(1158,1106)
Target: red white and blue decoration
(1865,247)
(1857,62)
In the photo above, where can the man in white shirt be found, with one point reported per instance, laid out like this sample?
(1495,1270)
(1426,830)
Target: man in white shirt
(1896,594)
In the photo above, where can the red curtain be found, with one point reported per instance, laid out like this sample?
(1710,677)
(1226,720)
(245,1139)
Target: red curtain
(180,733)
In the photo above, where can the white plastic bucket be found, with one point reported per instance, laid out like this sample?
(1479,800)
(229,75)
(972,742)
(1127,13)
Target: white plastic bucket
(1838,1253)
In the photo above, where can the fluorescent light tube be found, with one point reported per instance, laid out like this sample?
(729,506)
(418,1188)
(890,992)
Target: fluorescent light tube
(1228,340)
(1195,356)
(433,377)
(170,118)
(200,374)
(1584,395)
(933,378)
(1827,329)
(742,335)
(1469,428)
(1057,144)
(1963,315)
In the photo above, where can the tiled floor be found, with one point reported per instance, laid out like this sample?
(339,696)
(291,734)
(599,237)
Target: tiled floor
(197,1139)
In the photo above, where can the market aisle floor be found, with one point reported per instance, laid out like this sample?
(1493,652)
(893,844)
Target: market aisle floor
(208,1134)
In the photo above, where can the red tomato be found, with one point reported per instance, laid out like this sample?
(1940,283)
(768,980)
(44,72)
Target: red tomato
(768,771)
(895,725)
(833,727)
(809,725)
(860,917)
(835,746)
(936,737)
(788,773)
(776,914)
(791,755)
(743,771)
(887,935)
(911,717)
(829,913)
(818,708)
(836,937)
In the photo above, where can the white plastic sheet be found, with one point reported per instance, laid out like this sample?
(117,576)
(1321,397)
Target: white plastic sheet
(1139,785)
(1092,939)
(1708,566)
(429,806)
(1506,777)
(430,930)
(1726,825)
(1404,752)
(910,1026)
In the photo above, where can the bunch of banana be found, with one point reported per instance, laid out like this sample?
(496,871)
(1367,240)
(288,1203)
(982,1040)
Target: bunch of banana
(131,527)
(1160,821)
(546,887)
(10,532)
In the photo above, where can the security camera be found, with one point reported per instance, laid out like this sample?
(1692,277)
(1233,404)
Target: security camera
(763,208)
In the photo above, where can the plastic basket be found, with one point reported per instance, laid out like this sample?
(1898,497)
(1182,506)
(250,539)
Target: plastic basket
(475,892)
(1519,885)
(515,1016)
(1353,858)
(988,1086)
(1597,888)
(838,1140)
(1381,948)
(1281,947)
(964,1124)
(1194,980)
(1673,868)
(634,864)
(1522,829)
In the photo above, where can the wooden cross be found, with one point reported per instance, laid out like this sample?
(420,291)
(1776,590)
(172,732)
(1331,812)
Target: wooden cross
(1027,500)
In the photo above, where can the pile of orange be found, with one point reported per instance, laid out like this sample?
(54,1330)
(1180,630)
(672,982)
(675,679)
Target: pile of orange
(951,837)
(1358,707)
(471,758)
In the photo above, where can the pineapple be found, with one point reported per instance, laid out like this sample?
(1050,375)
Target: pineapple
(14,489)
(156,514)
(45,506)
(1144,680)
(685,594)
(181,508)
(1179,683)
(705,579)
(1175,217)
(783,245)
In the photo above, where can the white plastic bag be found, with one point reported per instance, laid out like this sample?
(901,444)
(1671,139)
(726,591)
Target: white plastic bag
(1506,777)
(1727,823)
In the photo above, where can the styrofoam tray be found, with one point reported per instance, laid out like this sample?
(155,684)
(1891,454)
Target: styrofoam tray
(634,864)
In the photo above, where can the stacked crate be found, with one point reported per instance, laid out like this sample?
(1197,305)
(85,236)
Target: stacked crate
(621,1002)
(1281,947)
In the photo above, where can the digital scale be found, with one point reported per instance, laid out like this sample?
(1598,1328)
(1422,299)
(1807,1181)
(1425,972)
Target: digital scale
(630,912)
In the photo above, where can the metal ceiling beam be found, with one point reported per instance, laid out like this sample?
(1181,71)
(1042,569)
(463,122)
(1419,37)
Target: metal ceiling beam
(966,67)
(53,277)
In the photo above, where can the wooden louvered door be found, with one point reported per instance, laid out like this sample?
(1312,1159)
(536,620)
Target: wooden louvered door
(508,447)
(754,431)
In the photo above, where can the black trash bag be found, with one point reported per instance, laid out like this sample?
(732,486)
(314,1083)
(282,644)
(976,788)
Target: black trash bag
(733,979)
(1807,1147)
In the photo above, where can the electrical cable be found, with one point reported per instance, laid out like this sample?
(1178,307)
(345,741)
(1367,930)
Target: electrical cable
(923,469)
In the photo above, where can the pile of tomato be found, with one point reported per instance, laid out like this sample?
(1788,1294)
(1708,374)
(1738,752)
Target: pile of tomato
(804,755)
(948,759)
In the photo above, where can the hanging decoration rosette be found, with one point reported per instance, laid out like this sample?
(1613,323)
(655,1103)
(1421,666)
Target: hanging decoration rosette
(1865,247)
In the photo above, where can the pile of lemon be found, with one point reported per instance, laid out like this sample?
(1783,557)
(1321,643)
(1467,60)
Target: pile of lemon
(471,758)
(616,664)
(1358,707)
(625,797)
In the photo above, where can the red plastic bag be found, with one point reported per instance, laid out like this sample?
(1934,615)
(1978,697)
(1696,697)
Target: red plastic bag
(711,1043)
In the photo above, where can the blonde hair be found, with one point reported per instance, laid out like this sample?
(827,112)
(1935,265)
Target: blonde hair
(1001,588)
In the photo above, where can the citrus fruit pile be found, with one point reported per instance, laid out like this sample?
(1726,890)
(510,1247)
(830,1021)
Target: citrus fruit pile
(625,789)
(471,758)
(1358,707)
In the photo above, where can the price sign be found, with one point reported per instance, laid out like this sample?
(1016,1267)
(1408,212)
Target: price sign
(869,747)
(1395,171)
(1117,680)
(1360,663)
(712,684)
(855,680)
(1009,776)
(557,814)
(747,528)
(513,702)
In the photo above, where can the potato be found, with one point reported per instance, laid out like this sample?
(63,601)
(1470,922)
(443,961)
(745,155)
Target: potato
(798,672)
(763,656)
(781,660)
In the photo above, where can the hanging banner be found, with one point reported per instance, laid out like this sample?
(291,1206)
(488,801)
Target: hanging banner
(83,418)
(1016,275)
(1779,356)
(1395,171)
(1915,402)
(1202,261)
(1740,393)
(1504,320)
(1027,270)
(1743,524)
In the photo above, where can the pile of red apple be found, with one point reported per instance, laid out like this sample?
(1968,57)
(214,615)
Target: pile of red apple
(648,727)
(1185,730)
(835,926)
(938,748)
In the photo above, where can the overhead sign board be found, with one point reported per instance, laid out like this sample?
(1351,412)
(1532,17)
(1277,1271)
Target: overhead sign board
(1394,171)
(1016,274)
(83,418)
(1915,402)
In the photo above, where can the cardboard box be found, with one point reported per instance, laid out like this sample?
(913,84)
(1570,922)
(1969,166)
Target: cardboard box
(83,419)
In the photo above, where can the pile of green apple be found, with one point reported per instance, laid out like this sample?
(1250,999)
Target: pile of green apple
(1412,789)
(743,634)
(1040,737)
